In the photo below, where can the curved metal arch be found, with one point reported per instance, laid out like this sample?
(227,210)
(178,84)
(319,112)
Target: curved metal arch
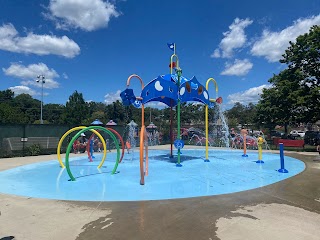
(135,76)
(207,115)
(142,87)
(75,129)
(215,84)
(77,135)
(171,61)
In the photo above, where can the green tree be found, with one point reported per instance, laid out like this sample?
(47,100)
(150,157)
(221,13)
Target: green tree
(52,113)
(97,110)
(295,93)
(236,112)
(241,114)
(303,59)
(9,114)
(76,110)
(278,104)
(304,56)
(117,112)
(6,96)
(29,106)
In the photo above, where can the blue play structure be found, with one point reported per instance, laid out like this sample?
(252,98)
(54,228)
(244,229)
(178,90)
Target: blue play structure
(171,89)
(165,89)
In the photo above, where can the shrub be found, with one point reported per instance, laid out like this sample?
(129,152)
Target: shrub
(34,150)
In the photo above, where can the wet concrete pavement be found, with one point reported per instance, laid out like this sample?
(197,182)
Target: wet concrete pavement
(289,209)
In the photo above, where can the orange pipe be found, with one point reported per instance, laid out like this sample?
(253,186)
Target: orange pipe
(132,76)
(146,152)
(142,87)
(142,132)
(141,155)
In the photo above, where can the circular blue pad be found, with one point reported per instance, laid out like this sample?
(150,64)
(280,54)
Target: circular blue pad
(178,144)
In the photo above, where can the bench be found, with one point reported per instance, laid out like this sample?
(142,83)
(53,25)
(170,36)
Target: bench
(17,143)
(289,142)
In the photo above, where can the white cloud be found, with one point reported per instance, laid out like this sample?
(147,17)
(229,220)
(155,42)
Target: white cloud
(87,15)
(112,97)
(252,95)
(36,44)
(155,105)
(233,39)
(65,76)
(272,45)
(49,83)
(23,89)
(238,68)
(31,72)
(216,53)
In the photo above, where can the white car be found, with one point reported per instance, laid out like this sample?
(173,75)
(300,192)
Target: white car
(297,133)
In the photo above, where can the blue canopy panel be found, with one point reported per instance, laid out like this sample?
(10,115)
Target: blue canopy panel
(174,78)
(127,97)
(192,90)
(161,90)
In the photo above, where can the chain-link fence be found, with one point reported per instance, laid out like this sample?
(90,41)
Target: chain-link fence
(31,139)
(38,139)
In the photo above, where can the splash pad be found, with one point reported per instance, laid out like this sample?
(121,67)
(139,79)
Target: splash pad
(227,172)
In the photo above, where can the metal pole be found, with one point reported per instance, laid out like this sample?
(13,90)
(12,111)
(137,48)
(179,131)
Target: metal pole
(42,79)
(207,116)
(171,132)
(179,72)
(41,120)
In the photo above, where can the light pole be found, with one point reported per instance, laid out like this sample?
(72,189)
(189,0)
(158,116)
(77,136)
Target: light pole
(42,79)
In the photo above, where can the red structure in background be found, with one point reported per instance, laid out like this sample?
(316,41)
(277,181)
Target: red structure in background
(289,142)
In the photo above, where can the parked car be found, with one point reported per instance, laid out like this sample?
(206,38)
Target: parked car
(312,138)
(297,133)
(275,133)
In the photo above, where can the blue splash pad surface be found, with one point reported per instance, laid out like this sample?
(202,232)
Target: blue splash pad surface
(227,172)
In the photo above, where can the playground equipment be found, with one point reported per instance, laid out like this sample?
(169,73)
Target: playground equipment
(171,89)
(95,130)
(101,163)
(260,142)
(282,168)
(129,98)
(207,115)
(75,129)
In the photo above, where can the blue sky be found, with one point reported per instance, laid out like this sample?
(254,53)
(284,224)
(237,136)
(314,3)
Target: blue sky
(93,46)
